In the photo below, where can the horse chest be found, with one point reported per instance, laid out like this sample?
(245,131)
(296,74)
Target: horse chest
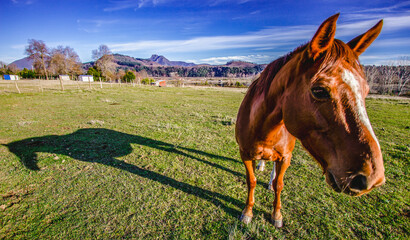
(263,151)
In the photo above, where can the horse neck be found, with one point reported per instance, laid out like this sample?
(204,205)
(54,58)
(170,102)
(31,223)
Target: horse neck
(276,89)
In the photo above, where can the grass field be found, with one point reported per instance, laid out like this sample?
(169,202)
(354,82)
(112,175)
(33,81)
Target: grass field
(162,163)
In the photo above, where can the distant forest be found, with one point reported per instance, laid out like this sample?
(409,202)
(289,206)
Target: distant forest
(388,79)
(50,63)
(203,71)
(382,79)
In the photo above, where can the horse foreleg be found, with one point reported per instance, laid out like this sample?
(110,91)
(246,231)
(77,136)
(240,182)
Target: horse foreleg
(251,184)
(277,188)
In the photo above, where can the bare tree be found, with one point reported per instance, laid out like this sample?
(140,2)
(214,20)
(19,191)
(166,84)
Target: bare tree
(371,73)
(57,63)
(3,68)
(142,74)
(104,61)
(39,53)
(74,64)
(64,60)
(403,74)
(12,68)
(101,51)
(389,77)
(120,74)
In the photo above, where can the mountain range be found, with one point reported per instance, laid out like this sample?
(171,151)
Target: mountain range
(127,61)
(23,63)
(165,62)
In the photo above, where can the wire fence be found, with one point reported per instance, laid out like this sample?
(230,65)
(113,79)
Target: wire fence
(40,85)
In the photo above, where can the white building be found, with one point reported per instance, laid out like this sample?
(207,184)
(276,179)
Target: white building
(64,77)
(86,78)
(11,77)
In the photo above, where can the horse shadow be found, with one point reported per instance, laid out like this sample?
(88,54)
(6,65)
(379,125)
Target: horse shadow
(103,146)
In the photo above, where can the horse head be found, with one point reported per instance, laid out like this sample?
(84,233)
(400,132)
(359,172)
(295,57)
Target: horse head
(324,107)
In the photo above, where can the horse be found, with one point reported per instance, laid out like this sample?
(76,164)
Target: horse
(315,94)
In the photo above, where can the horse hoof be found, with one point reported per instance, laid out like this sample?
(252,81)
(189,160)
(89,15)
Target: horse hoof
(246,219)
(278,223)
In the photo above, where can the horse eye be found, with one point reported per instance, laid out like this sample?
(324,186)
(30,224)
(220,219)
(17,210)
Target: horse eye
(320,93)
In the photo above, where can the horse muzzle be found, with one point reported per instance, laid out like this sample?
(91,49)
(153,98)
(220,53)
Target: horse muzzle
(359,184)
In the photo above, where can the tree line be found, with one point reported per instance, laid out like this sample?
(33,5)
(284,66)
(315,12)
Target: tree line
(52,62)
(202,71)
(391,79)
(47,61)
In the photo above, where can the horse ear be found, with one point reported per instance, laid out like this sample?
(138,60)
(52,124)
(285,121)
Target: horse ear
(323,37)
(360,43)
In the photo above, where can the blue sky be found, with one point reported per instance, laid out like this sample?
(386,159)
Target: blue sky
(199,31)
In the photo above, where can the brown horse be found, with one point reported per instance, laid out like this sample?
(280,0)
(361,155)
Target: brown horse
(316,94)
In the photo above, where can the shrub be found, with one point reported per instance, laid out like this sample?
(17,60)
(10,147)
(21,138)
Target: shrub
(147,81)
(129,77)
(25,73)
(239,84)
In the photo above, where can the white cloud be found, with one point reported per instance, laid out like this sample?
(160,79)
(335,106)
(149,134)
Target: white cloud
(387,9)
(279,39)
(137,4)
(223,60)
(7,59)
(134,4)
(94,25)
(390,24)
(19,46)
(396,17)
(382,59)
(266,38)
(393,42)
(219,2)
(397,23)
(23,2)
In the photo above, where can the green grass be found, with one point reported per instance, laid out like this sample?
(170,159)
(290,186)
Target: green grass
(162,163)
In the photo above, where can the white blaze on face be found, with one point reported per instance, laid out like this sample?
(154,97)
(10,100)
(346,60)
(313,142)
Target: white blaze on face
(349,78)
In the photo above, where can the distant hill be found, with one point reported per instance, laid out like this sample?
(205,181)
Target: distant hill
(159,66)
(165,62)
(23,63)
(127,62)
(240,64)
(124,61)
(154,61)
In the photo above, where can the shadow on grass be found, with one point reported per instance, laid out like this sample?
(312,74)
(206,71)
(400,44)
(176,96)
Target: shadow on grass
(102,146)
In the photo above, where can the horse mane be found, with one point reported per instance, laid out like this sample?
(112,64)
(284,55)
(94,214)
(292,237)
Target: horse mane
(266,77)
(338,52)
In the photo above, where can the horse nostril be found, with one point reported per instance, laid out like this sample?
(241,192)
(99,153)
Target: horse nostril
(359,182)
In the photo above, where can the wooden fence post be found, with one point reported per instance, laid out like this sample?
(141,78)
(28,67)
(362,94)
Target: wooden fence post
(15,82)
(61,83)
(39,85)
(78,85)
